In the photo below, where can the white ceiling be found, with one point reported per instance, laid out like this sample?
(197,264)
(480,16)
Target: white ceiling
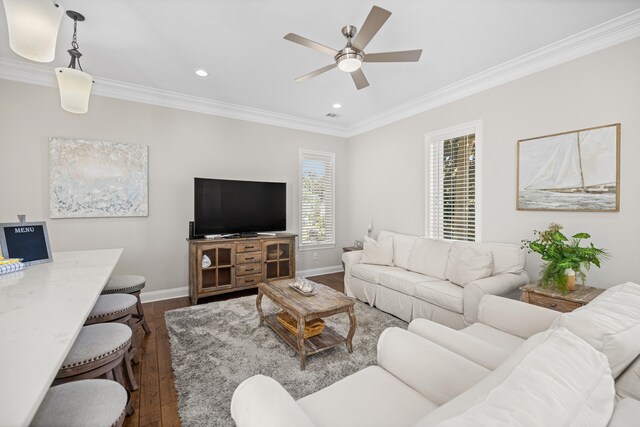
(159,44)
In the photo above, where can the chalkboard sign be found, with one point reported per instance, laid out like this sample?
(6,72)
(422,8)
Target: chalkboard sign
(26,240)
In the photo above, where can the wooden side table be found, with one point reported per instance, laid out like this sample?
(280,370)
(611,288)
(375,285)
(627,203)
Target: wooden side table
(556,300)
(349,249)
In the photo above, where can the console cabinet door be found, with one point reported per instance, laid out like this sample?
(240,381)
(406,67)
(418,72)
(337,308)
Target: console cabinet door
(278,259)
(221,273)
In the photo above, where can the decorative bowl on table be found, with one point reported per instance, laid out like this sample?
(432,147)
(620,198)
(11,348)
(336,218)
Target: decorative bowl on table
(303,286)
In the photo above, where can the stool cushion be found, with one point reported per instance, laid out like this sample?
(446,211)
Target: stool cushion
(124,284)
(97,341)
(112,304)
(98,403)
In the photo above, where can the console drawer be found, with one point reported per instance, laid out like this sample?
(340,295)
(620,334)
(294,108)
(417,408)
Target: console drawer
(244,269)
(252,279)
(248,257)
(252,246)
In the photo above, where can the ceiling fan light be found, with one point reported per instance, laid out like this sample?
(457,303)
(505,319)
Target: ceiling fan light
(349,65)
(33,28)
(75,89)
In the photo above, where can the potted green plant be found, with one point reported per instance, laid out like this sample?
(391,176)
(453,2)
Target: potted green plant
(562,255)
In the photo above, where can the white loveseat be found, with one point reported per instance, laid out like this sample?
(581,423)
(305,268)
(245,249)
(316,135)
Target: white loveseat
(426,279)
(553,378)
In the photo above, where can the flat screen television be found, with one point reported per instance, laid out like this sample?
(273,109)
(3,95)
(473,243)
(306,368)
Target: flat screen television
(229,207)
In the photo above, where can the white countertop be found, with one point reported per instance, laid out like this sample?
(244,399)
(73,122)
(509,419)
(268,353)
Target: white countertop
(42,309)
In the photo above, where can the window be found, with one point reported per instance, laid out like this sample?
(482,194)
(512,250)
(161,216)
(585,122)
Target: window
(317,199)
(453,183)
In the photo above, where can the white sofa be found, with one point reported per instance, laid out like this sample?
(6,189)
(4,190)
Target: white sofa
(553,378)
(420,283)
(611,323)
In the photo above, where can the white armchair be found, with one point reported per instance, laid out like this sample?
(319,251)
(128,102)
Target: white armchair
(412,378)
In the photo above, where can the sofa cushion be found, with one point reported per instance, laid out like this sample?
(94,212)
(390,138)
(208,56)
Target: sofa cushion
(371,273)
(467,263)
(553,379)
(441,293)
(402,246)
(610,323)
(377,252)
(371,397)
(429,257)
(403,281)
(561,382)
(493,336)
(507,258)
(626,413)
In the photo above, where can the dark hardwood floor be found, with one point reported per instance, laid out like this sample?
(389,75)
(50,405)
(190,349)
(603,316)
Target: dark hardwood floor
(156,402)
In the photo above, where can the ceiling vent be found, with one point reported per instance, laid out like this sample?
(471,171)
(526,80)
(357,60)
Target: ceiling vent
(332,115)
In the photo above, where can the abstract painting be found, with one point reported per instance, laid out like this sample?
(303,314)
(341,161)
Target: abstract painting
(570,171)
(97,179)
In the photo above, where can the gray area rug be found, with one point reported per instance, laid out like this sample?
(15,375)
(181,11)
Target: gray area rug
(216,346)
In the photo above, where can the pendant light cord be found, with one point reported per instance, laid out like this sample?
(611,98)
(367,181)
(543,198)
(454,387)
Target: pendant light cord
(74,52)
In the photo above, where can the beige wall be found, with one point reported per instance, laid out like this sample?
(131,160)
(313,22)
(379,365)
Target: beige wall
(386,165)
(182,145)
(380,174)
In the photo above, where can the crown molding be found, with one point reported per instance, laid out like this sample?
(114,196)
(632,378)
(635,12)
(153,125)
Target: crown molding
(42,75)
(607,34)
(615,31)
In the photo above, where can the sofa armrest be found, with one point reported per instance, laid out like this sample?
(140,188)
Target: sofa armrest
(350,259)
(476,350)
(515,317)
(506,284)
(261,401)
(435,372)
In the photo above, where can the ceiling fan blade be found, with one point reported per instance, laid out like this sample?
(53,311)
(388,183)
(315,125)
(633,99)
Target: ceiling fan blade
(376,19)
(400,56)
(316,72)
(310,43)
(359,79)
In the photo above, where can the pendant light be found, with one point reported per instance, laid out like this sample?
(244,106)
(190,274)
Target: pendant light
(33,27)
(74,84)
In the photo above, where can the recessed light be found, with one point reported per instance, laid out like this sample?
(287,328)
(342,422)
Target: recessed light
(202,73)
(336,105)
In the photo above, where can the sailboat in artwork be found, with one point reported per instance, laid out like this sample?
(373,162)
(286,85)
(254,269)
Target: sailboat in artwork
(579,164)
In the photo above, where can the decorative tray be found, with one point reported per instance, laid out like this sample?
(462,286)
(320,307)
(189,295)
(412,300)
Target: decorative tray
(306,294)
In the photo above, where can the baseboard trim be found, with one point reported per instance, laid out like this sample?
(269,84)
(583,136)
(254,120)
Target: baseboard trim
(183,291)
(164,294)
(319,271)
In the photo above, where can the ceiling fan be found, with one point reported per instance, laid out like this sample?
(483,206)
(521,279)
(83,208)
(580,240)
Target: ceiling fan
(350,58)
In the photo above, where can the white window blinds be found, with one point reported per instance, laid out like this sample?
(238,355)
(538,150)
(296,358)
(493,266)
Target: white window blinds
(317,199)
(452,188)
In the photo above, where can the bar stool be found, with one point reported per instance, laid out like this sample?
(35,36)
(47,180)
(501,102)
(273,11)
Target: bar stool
(129,285)
(113,308)
(98,403)
(101,349)
(117,308)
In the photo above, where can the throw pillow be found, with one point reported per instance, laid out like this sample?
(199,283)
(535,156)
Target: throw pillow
(402,244)
(611,324)
(378,253)
(467,263)
(562,382)
(429,257)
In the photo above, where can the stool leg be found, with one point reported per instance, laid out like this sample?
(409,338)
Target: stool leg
(128,373)
(140,315)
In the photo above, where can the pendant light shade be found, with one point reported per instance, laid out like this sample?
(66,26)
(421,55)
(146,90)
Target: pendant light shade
(75,89)
(33,27)
(74,84)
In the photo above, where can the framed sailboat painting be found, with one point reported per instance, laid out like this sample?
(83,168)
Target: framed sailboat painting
(570,171)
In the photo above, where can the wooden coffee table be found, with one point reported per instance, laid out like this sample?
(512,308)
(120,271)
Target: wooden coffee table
(326,302)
